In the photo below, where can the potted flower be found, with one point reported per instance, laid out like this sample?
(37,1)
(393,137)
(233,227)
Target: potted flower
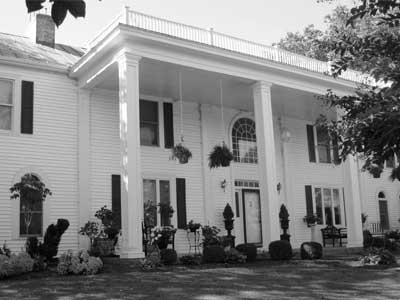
(161,236)
(107,238)
(310,220)
(182,153)
(220,156)
(192,226)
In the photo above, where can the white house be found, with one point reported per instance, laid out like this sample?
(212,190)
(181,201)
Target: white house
(97,126)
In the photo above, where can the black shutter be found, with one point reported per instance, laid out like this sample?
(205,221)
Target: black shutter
(181,202)
(311,145)
(116,199)
(344,208)
(27,107)
(336,158)
(168,125)
(309,200)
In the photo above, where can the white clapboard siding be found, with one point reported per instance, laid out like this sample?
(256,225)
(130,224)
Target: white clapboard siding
(52,149)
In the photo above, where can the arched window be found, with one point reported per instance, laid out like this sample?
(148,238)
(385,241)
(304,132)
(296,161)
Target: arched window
(381,196)
(244,141)
(30,213)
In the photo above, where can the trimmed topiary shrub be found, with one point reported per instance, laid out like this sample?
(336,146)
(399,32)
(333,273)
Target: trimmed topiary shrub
(52,238)
(168,256)
(250,250)
(280,250)
(213,254)
(311,250)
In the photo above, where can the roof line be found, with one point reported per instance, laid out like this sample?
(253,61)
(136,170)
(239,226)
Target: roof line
(36,65)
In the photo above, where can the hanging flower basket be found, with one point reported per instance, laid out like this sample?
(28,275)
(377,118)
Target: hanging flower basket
(181,153)
(221,156)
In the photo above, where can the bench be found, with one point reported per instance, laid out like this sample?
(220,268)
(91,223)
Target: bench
(376,229)
(330,232)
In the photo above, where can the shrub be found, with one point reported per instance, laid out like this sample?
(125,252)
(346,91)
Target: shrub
(367,238)
(168,256)
(250,250)
(393,234)
(228,218)
(233,256)
(80,263)
(32,246)
(280,250)
(190,260)
(213,254)
(311,250)
(210,236)
(378,256)
(52,238)
(15,265)
(5,250)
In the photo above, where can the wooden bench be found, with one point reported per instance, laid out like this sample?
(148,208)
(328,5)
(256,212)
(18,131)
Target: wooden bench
(376,229)
(330,232)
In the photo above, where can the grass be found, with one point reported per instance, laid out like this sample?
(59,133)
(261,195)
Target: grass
(296,279)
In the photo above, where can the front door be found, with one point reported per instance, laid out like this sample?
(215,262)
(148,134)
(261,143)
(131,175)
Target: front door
(252,216)
(384,214)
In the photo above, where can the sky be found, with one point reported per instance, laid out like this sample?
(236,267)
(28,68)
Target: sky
(262,21)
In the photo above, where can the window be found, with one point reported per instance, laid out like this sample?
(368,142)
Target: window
(321,147)
(244,141)
(157,202)
(383,211)
(6,104)
(30,216)
(328,206)
(149,126)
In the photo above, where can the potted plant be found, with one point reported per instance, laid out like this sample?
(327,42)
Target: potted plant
(228,221)
(310,220)
(220,156)
(182,153)
(92,230)
(161,236)
(166,212)
(104,243)
(192,226)
(284,220)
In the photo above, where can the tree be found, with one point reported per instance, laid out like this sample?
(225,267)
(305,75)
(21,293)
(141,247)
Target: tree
(370,125)
(59,8)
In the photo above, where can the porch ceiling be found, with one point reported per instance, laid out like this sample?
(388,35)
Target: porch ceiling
(160,79)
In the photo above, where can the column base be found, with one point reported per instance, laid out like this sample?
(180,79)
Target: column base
(132,253)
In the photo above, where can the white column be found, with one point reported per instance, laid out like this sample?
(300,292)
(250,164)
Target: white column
(131,182)
(83,162)
(266,162)
(352,203)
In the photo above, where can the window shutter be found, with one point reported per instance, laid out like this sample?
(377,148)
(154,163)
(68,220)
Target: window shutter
(181,202)
(27,107)
(168,125)
(336,158)
(311,145)
(309,200)
(344,208)
(116,199)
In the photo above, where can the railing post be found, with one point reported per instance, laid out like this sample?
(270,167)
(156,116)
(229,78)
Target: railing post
(211,32)
(127,10)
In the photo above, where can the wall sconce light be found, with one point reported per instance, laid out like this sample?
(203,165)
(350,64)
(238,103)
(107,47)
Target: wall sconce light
(223,184)
(285,135)
(279,187)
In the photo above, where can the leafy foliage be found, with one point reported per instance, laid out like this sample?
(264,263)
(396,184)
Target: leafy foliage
(220,156)
(80,263)
(370,122)
(210,236)
(228,218)
(280,250)
(52,238)
(182,153)
(15,264)
(250,250)
(59,8)
(168,256)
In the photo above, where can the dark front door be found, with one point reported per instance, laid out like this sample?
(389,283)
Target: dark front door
(384,214)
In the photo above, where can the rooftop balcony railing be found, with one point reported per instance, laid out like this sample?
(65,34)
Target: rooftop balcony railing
(223,41)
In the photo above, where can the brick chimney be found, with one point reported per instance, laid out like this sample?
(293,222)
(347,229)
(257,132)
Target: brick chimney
(42,30)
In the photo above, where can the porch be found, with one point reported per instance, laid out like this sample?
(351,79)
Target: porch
(128,65)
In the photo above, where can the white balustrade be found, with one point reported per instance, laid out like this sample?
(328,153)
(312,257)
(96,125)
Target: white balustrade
(223,41)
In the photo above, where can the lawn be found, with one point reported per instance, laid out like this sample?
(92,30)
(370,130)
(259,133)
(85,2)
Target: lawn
(296,279)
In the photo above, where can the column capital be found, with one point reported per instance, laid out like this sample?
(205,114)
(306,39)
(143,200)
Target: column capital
(262,84)
(125,56)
